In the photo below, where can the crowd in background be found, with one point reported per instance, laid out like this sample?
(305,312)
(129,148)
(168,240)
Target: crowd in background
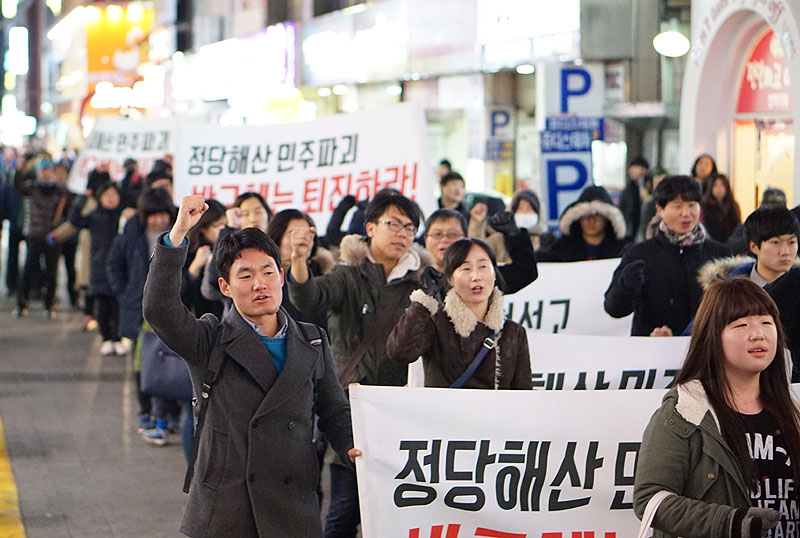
(429,287)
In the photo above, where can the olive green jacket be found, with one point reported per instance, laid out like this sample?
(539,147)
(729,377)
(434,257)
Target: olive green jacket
(683,452)
(353,294)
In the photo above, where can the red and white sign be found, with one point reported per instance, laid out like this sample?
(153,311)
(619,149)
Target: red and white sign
(309,166)
(765,84)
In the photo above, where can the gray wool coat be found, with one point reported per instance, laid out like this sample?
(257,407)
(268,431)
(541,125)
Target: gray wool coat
(256,471)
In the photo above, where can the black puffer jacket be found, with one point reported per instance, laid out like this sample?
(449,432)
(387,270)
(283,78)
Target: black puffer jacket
(671,291)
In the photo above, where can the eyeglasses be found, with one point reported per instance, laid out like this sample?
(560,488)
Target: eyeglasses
(452,236)
(396,226)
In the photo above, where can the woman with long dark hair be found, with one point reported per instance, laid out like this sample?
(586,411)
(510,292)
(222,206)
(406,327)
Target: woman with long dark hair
(717,459)
(720,213)
(466,342)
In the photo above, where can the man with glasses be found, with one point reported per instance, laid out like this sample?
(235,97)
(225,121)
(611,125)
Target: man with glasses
(364,297)
(446,226)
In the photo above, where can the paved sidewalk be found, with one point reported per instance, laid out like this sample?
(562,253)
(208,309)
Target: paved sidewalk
(70,419)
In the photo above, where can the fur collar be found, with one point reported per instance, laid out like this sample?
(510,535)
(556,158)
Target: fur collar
(595,207)
(353,250)
(464,321)
(693,403)
(324,258)
(722,267)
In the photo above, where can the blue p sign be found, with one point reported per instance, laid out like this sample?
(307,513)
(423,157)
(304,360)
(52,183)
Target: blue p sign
(569,76)
(499,118)
(554,187)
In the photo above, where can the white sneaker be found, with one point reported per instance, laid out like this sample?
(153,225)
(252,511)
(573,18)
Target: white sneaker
(107,347)
(120,348)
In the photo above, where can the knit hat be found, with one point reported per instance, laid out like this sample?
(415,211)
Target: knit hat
(529,196)
(594,200)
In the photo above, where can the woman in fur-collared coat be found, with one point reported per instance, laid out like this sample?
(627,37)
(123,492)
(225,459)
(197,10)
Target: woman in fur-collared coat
(450,336)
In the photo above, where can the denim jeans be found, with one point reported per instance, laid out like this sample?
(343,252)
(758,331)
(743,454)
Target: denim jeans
(343,515)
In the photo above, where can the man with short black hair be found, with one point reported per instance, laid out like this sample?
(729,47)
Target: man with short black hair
(453,188)
(630,201)
(364,297)
(256,469)
(656,280)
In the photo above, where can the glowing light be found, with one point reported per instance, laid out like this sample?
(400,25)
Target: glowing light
(9,8)
(324,92)
(525,69)
(394,89)
(340,89)
(92,14)
(114,13)
(671,43)
(135,12)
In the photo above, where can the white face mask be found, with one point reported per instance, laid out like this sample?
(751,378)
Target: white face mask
(526,221)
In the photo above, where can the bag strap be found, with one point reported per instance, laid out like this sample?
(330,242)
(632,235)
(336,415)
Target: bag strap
(213,370)
(59,210)
(650,511)
(371,334)
(488,344)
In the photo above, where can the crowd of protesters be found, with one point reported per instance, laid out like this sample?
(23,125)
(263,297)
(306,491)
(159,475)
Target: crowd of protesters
(393,287)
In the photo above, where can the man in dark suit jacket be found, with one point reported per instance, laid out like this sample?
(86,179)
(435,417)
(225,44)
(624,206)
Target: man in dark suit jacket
(256,470)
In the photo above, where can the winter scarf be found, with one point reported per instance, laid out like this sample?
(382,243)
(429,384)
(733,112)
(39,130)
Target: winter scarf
(695,237)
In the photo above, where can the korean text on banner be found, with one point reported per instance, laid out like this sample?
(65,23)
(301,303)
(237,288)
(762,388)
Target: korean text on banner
(565,362)
(492,463)
(113,140)
(309,166)
(568,298)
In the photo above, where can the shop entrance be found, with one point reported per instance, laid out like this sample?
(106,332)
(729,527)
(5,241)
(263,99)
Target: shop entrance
(763,158)
(763,131)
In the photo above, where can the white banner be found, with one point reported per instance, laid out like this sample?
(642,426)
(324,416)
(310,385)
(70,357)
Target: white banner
(568,298)
(566,362)
(309,166)
(579,362)
(457,463)
(113,140)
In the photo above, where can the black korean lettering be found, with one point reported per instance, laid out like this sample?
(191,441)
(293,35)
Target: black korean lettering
(565,317)
(452,497)
(530,489)
(260,160)
(450,473)
(555,381)
(93,140)
(581,384)
(537,382)
(163,141)
(412,464)
(122,142)
(627,375)
(601,383)
(567,468)
(651,378)
(237,164)
(196,160)
(624,451)
(525,319)
(670,374)
(413,495)
(148,141)
(327,152)
(216,156)
(133,142)
(286,157)
(306,153)
(351,144)
(508,478)
(593,463)
(484,459)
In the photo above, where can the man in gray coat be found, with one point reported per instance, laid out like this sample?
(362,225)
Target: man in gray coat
(256,470)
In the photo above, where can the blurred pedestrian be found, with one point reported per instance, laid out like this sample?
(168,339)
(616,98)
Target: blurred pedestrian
(719,210)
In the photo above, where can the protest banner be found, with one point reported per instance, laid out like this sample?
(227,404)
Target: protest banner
(309,166)
(568,298)
(457,463)
(113,140)
(587,362)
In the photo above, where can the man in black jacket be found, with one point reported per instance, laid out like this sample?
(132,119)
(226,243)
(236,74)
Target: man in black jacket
(657,279)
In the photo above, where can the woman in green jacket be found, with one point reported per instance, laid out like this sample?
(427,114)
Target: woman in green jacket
(716,458)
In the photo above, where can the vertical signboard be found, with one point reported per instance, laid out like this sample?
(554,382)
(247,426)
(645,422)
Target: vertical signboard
(573,103)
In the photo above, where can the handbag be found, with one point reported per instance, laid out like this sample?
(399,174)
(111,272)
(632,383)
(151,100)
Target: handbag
(164,372)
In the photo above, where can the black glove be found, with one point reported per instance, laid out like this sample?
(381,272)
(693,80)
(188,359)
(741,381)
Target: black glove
(346,203)
(432,282)
(752,522)
(504,223)
(633,275)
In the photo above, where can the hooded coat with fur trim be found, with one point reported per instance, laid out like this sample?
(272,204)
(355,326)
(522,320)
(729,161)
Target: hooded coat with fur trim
(571,247)
(353,294)
(449,337)
(683,453)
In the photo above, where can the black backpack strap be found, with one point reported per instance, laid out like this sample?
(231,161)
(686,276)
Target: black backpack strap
(213,371)
(313,340)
